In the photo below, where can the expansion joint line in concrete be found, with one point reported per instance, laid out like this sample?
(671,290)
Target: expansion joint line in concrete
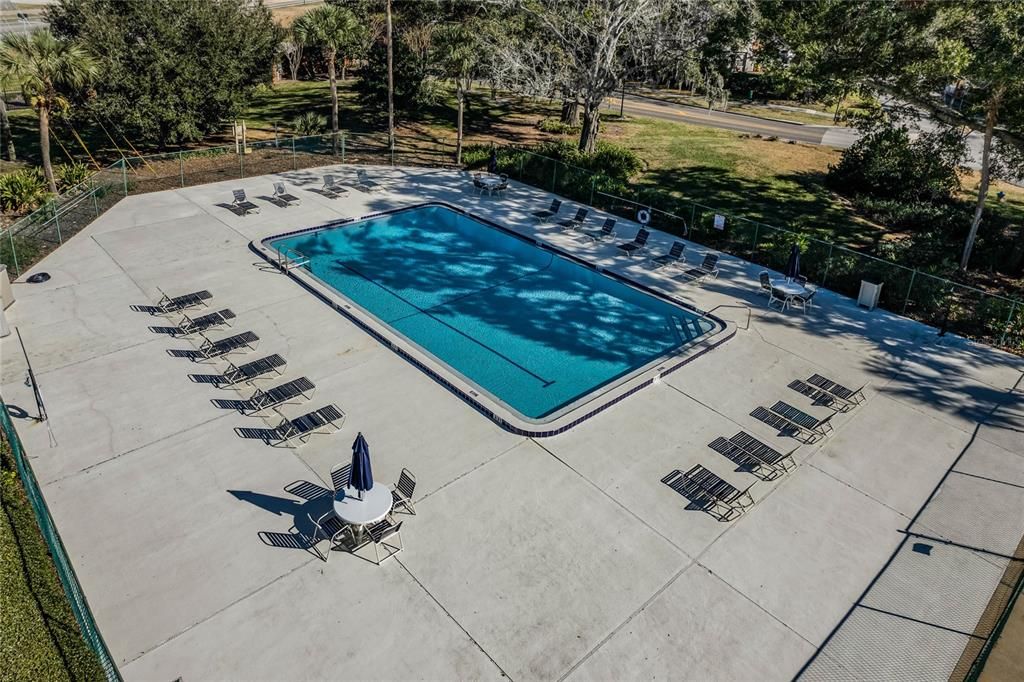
(453,618)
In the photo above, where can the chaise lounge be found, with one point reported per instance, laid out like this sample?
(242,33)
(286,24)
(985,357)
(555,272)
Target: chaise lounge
(242,205)
(675,257)
(638,244)
(707,268)
(250,371)
(713,494)
(763,460)
(327,419)
(790,421)
(548,213)
(279,395)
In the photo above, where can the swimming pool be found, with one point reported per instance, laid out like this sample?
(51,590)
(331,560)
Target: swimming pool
(532,329)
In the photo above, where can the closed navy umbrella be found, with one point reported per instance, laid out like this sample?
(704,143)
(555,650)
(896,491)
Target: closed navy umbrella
(362,475)
(492,162)
(793,265)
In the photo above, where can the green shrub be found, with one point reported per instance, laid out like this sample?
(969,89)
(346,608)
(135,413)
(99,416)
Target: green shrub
(887,164)
(70,174)
(615,161)
(22,190)
(309,123)
(556,127)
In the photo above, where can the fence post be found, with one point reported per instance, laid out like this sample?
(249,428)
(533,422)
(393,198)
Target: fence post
(14,252)
(554,177)
(343,146)
(56,221)
(828,265)
(1009,321)
(294,160)
(181,168)
(124,174)
(241,162)
(95,203)
(757,233)
(593,182)
(693,216)
(906,301)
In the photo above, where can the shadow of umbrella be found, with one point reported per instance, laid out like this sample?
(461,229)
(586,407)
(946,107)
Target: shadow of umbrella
(314,500)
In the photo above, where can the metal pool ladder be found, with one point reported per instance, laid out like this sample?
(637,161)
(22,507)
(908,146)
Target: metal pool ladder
(289,258)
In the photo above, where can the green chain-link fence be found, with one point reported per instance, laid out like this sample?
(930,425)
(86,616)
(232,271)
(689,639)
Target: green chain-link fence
(921,295)
(61,562)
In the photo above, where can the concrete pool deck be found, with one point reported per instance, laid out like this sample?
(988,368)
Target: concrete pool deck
(534,558)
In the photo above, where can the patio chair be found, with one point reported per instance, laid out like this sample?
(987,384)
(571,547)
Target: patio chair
(210,349)
(638,244)
(281,194)
(279,395)
(331,189)
(548,213)
(478,184)
(242,204)
(502,186)
(819,396)
(790,421)
(838,390)
(167,305)
(675,256)
(341,476)
(784,299)
(327,419)
(250,371)
(382,531)
(803,301)
(363,182)
(575,222)
(766,283)
(194,325)
(801,280)
(716,496)
(707,268)
(402,493)
(330,528)
(604,232)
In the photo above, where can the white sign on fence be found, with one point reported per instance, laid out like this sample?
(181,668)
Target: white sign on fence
(719,222)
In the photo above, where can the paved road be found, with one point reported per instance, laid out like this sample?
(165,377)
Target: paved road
(832,136)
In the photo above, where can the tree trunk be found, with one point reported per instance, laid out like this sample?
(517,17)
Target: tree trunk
(344,63)
(295,62)
(991,114)
(591,122)
(391,83)
(44,147)
(332,75)
(570,111)
(5,132)
(460,95)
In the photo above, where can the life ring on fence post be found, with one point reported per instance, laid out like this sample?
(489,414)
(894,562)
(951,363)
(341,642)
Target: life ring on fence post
(643,216)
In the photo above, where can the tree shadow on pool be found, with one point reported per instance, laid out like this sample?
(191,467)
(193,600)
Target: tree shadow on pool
(473,284)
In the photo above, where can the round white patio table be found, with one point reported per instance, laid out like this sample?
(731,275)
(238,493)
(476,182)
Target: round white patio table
(374,506)
(490,182)
(789,288)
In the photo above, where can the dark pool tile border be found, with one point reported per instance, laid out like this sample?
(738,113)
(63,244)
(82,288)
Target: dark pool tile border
(725,332)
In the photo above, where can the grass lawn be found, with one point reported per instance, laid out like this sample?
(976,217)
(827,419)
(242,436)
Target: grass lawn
(39,637)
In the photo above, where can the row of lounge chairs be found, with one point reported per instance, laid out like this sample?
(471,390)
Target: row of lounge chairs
(331,188)
(724,501)
(674,258)
(792,421)
(284,431)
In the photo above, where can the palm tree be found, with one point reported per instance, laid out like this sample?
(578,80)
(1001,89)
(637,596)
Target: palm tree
(459,57)
(44,66)
(331,28)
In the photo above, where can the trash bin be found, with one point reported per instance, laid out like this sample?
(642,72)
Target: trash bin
(869,294)
(6,295)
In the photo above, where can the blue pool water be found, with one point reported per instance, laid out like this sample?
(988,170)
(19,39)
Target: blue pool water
(533,329)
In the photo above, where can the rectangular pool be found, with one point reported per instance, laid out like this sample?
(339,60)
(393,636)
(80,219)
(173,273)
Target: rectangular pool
(534,330)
